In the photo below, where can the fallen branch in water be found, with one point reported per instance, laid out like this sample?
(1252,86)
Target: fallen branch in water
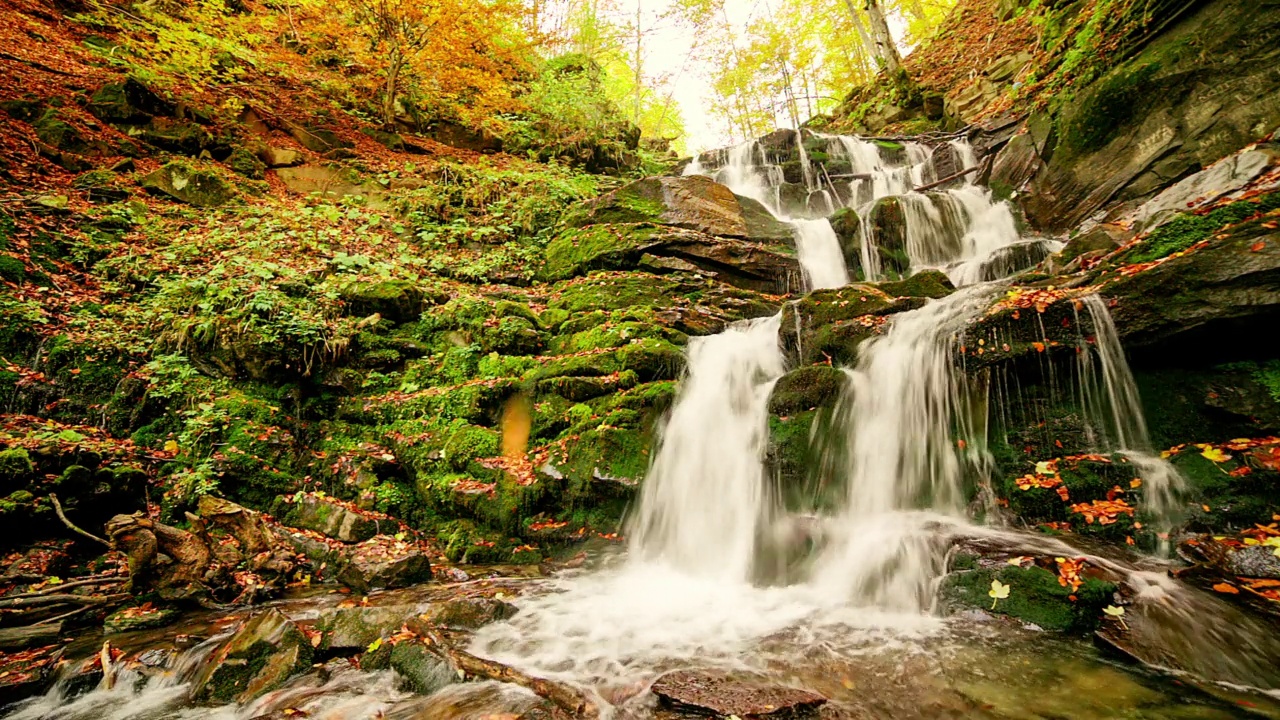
(96,580)
(57,507)
(63,599)
(948,179)
(562,695)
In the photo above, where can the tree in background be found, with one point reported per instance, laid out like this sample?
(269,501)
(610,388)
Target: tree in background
(801,57)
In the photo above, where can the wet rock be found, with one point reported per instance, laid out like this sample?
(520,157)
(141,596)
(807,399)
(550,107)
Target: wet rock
(1197,92)
(806,388)
(832,323)
(384,563)
(421,671)
(470,613)
(138,618)
(330,518)
(201,188)
(356,628)
(705,691)
(848,228)
(932,284)
(258,658)
(1257,561)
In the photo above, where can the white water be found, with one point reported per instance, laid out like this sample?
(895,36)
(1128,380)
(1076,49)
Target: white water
(915,452)
(710,456)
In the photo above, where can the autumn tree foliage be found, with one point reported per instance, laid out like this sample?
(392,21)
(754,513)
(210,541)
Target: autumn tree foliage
(443,52)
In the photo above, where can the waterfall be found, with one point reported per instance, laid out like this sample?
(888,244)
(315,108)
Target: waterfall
(710,456)
(820,254)
(1109,397)
(904,469)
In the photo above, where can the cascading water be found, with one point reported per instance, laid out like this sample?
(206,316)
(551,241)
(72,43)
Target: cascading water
(726,392)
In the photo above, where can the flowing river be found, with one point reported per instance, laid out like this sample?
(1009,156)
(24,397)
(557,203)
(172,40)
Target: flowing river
(719,573)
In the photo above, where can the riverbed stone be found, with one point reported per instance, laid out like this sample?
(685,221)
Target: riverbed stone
(382,562)
(265,652)
(707,691)
(331,518)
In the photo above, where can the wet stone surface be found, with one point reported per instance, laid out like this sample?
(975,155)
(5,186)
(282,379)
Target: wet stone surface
(714,692)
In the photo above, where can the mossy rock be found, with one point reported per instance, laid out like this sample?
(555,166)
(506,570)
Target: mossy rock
(397,300)
(130,102)
(421,671)
(597,247)
(55,131)
(806,388)
(246,163)
(389,140)
(179,181)
(848,228)
(15,469)
(1035,596)
(932,284)
(258,658)
(12,269)
(135,618)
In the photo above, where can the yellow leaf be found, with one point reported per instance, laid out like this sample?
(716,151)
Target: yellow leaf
(1215,454)
(999,591)
(1113,611)
(373,646)
(1043,468)
(172,447)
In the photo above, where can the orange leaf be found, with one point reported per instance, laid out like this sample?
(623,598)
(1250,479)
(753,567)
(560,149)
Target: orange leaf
(1257,247)
(1227,588)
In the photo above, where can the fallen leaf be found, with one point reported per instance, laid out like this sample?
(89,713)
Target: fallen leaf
(1227,588)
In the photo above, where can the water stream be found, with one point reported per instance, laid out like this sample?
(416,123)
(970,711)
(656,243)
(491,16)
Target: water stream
(689,590)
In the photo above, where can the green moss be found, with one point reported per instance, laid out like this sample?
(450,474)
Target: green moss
(806,388)
(927,284)
(1185,230)
(12,269)
(1035,596)
(1112,102)
(577,250)
(244,162)
(15,465)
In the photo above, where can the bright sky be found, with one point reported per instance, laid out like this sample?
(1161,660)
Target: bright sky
(669,51)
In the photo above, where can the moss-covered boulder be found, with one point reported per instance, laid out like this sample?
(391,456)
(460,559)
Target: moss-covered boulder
(331,518)
(202,188)
(468,612)
(932,284)
(1035,594)
(806,388)
(828,325)
(265,652)
(130,103)
(397,300)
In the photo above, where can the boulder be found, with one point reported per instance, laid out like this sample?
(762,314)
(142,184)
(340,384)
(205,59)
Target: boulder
(382,562)
(713,692)
(259,657)
(128,103)
(1233,282)
(319,140)
(278,157)
(694,202)
(356,628)
(463,137)
(1197,92)
(739,262)
(329,517)
(469,612)
(201,188)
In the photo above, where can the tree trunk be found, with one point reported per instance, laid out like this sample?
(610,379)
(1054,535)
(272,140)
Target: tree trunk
(389,93)
(886,49)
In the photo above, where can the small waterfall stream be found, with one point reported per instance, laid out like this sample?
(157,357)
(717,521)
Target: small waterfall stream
(688,591)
